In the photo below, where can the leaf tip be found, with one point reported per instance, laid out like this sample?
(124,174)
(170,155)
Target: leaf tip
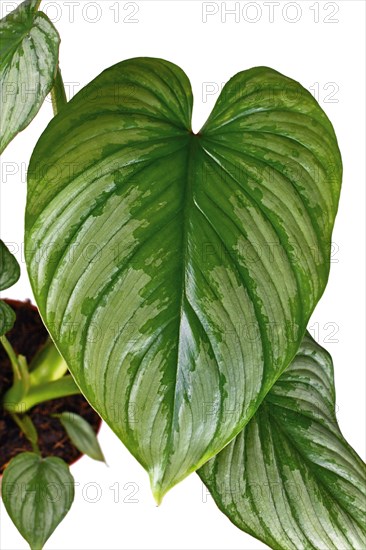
(101,458)
(157,488)
(158,495)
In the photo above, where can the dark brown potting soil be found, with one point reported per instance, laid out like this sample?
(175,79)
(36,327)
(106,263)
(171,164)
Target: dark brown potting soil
(28,336)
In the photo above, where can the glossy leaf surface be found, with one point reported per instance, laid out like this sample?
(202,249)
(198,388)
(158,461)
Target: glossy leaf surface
(9,274)
(7,318)
(177,272)
(290,478)
(29,45)
(37,494)
(9,268)
(81,434)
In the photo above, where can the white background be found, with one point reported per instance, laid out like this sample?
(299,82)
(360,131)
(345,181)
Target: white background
(319,44)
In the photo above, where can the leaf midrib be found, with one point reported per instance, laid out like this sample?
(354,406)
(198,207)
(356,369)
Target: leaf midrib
(310,465)
(187,200)
(26,27)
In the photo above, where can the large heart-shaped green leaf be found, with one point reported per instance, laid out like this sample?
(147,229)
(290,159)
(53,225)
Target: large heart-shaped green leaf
(290,478)
(29,45)
(37,494)
(177,272)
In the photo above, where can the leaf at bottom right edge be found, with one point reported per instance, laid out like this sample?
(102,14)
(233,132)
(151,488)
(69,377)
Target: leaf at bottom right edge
(289,478)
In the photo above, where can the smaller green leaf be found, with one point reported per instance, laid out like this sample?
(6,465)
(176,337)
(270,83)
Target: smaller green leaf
(9,268)
(29,57)
(7,318)
(81,434)
(37,494)
(290,478)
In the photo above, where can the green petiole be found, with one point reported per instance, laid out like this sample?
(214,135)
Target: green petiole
(47,365)
(58,94)
(38,394)
(29,430)
(12,356)
(45,380)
